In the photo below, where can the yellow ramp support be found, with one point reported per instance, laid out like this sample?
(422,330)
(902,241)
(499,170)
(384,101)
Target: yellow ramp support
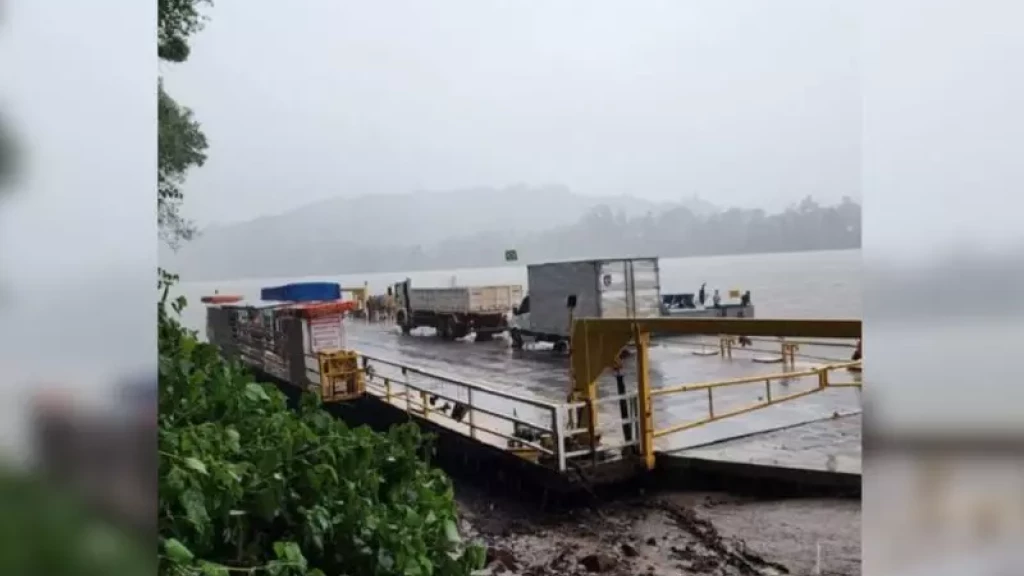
(597,345)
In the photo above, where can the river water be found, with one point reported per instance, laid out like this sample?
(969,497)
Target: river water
(796,285)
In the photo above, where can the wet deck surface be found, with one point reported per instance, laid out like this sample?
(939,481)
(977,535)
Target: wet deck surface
(830,444)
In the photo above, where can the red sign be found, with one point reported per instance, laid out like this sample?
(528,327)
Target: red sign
(326,333)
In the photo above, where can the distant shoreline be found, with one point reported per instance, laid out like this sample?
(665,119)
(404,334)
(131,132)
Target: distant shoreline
(522,263)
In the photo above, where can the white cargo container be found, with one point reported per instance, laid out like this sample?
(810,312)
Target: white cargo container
(607,288)
(456,311)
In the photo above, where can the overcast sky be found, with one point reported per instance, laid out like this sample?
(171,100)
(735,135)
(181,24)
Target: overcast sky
(743,102)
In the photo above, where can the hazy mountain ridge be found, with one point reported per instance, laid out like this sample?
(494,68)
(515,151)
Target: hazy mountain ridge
(473,228)
(307,236)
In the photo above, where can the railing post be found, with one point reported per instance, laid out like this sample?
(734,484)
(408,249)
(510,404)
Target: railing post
(558,418)
(620,388)
(387,390)
(634,424)
(472,421)
(424,405)
(643,382)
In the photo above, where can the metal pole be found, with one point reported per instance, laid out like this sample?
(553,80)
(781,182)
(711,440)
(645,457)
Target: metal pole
(559,421)
(620,386)
(472,421)
(646,415)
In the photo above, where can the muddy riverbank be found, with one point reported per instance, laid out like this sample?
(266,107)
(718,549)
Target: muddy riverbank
(667,534)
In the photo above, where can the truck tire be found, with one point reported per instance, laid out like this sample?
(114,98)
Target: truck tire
(401,318)
(458,330)
(517,338)
(561,347)
(484,336)
(444,327)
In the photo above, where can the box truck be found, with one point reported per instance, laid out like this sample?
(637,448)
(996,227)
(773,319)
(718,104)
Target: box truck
(606,288)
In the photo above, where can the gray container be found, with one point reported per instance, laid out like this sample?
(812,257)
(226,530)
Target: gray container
(607,288)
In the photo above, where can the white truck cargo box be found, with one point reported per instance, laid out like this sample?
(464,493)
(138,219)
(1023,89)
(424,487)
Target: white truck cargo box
(613,288)
(466,299)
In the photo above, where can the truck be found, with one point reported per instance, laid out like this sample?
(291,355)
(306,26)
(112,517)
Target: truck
(456,311)
(558,292)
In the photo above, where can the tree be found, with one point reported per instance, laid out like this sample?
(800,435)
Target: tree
(182,145)
(177,22)
(181,142)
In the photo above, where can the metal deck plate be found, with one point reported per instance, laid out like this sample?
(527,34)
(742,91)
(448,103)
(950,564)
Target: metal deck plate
(831,445)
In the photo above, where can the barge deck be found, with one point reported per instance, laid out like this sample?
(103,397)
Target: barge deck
(618,423)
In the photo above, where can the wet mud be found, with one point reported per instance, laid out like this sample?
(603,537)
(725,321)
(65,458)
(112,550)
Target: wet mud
(667,534)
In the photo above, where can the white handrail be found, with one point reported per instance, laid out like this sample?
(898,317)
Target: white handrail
(442,396)
(484,387)
(415,388)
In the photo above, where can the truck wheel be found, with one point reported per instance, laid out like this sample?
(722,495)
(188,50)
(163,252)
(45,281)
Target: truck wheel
(401,320)
(517,338)
(561,347)
(458,330)
(444,328)
(484,336)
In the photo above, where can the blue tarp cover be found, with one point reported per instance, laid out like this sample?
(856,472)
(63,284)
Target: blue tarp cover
(302,292)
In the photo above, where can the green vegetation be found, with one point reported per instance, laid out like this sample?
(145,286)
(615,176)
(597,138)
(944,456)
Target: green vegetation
(181,146)
(248,484)
(47,530)
(181,142)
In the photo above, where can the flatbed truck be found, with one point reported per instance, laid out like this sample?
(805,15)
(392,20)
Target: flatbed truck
(456,311)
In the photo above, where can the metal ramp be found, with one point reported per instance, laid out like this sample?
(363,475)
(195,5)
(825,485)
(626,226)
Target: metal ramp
(629,427)
(591,430)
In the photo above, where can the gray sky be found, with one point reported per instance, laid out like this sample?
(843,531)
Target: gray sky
(313,99)
(744,102)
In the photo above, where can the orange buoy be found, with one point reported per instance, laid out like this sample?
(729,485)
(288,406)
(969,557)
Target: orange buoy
(221,299)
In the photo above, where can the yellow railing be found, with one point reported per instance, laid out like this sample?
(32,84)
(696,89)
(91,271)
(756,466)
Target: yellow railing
(822,374)
(787,349)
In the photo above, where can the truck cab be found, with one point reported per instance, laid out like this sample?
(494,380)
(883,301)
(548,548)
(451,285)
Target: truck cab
(520,317)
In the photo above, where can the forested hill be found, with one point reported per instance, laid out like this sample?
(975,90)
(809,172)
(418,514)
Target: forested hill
(474,228)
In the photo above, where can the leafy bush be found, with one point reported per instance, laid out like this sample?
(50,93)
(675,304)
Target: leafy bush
(246,484)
